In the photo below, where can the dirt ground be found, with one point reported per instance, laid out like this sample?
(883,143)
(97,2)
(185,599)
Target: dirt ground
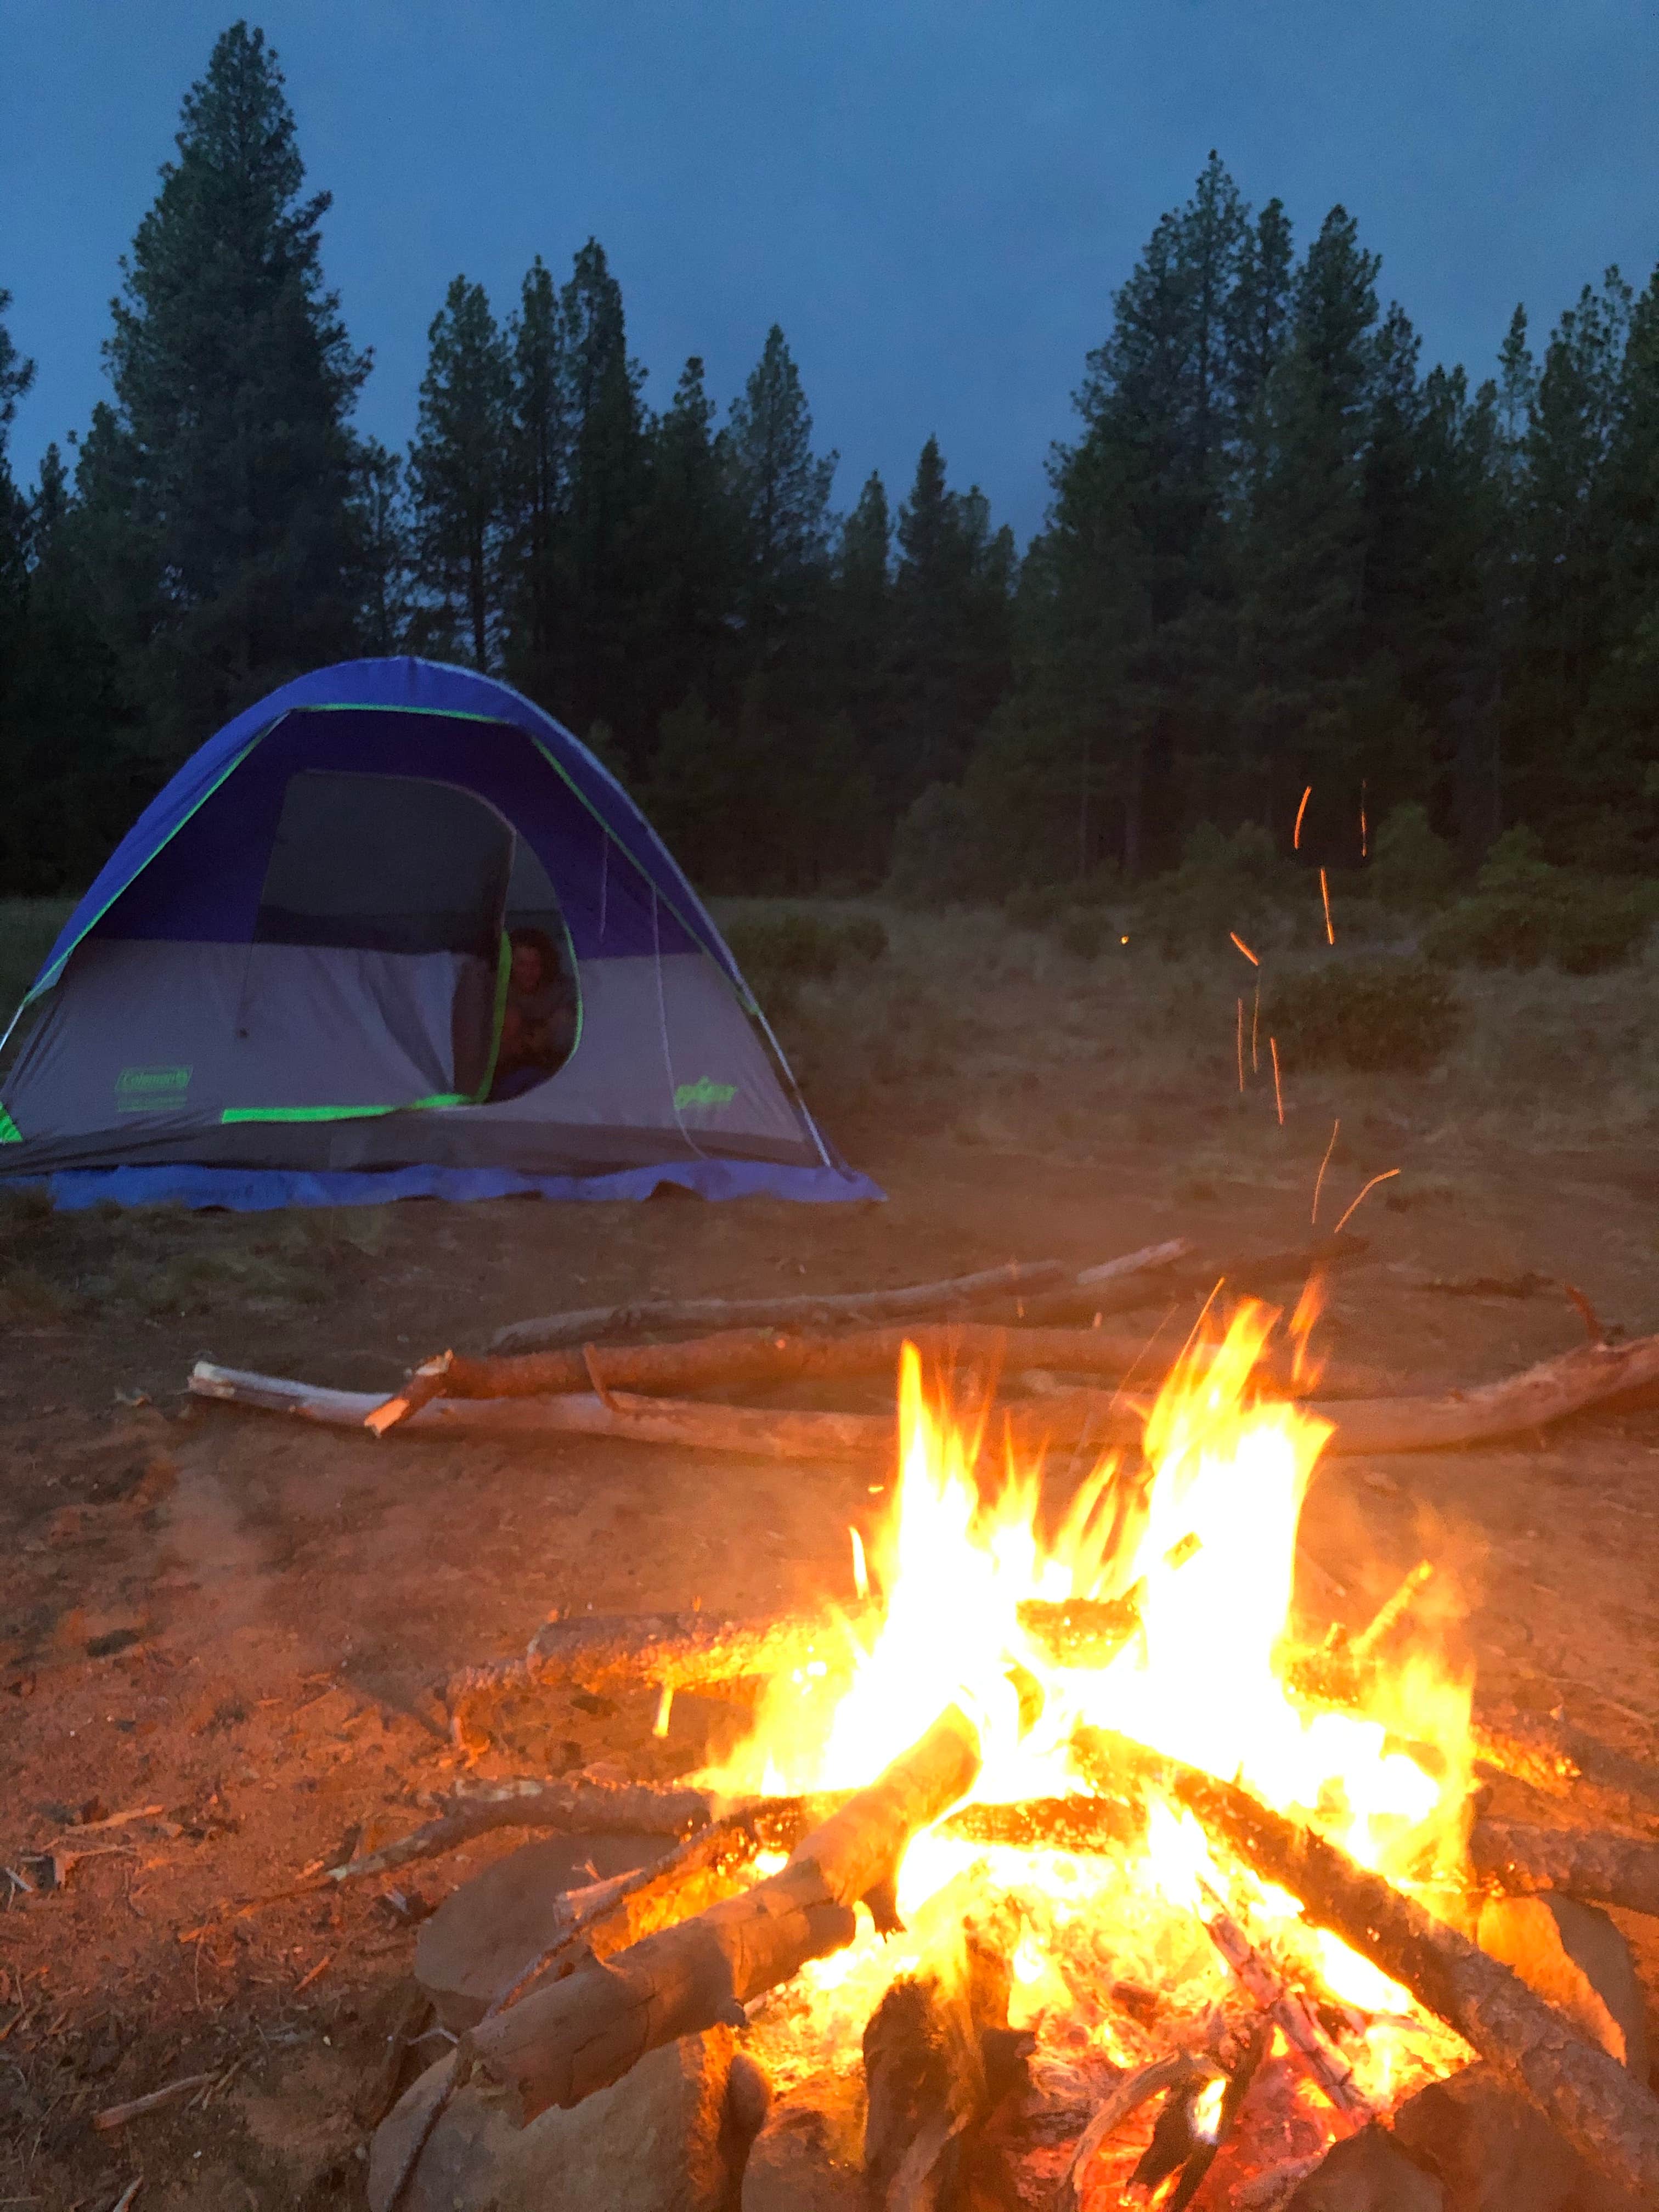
(240,1622)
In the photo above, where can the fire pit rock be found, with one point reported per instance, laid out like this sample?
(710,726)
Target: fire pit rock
(809,2156)
(670,2137)
(1369,2173)
(1493,2153)
(485,1933)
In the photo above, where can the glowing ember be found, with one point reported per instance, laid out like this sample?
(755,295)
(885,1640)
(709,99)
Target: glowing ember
(1203,1542)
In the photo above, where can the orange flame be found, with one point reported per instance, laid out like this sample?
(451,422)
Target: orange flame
(1203,1541)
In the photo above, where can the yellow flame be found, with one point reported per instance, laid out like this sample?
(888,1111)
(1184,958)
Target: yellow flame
(1205,1539)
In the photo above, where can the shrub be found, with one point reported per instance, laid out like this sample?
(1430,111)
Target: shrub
(1372,1016)
(1223,883)
(779,952)
(1413,866)
(1524,911)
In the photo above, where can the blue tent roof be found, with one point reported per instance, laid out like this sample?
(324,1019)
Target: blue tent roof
(419,688)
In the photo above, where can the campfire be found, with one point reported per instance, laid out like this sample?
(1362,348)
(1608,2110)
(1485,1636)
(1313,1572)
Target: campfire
(1057,1858)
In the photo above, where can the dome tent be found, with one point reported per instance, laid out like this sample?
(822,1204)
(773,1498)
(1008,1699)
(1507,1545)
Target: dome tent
(287,983)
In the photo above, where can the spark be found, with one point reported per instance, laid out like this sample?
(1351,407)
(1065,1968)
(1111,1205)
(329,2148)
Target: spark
(1364,845)
(1370,1185)
(1255,1030)
(860,1570)
(1319,1179)
(665,1708)
(1295,835)
(1325,893)
(1241,1044)
(1279,1095)
(1243,948)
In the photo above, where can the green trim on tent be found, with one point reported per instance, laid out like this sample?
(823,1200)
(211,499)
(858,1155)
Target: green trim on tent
(58,965)
(503,981)
(339,1113)
(9,1131)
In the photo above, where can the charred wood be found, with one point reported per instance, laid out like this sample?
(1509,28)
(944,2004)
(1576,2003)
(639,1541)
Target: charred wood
(574,2036)
(1586,2094)
(1601,1869)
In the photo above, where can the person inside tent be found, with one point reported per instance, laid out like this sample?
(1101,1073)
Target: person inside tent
(538,1022)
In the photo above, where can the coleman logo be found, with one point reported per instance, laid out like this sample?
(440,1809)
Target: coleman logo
(702,1092)
(140,1088)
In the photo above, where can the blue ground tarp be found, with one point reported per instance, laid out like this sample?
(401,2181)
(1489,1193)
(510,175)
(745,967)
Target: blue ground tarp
(264,1190)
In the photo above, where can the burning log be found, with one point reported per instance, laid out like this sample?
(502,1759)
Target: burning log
(718,1656)
(1564,1761)
(1179,2070)
(576,2035)
(1587,2096)
(1549,1754)
(928,2086)
(1607,1869)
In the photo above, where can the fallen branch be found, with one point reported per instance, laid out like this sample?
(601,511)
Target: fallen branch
(1587,1375)
(578,1808)
(1605,1870)
(173,2092)
(1244,1272)
(767,1356)
(1587,2096)
(683,1422)
(575,2036)
(590,1324)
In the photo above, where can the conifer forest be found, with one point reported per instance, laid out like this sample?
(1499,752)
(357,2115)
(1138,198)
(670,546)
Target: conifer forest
(1281,550)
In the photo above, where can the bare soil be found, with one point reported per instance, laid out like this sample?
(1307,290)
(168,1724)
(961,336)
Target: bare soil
(241,1622)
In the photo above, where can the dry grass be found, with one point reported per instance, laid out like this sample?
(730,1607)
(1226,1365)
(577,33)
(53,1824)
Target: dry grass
(161,1261)
(998,1037)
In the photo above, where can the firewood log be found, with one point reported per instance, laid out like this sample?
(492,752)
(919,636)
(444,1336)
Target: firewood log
(590,1323)
(1549,1754)
(1587,1375)
(576,2035)
(574,1807)
(716,1656)
(1245,1273)
(764,1356)
(1609,2118)
(1601,1869)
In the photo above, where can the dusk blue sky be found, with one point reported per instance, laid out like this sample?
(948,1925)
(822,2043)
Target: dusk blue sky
(936,199)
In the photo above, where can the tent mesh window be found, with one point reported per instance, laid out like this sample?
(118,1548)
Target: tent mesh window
(385,864)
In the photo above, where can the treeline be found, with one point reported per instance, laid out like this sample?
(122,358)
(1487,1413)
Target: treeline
(1278,553)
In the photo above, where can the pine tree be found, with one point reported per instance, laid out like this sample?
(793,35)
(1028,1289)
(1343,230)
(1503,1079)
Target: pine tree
(16,377)
(951,621)
(1302,551)
(687,554)
(781,492)
(234,384)
(539,471)
(458,469)
(599,662)
(383,562)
